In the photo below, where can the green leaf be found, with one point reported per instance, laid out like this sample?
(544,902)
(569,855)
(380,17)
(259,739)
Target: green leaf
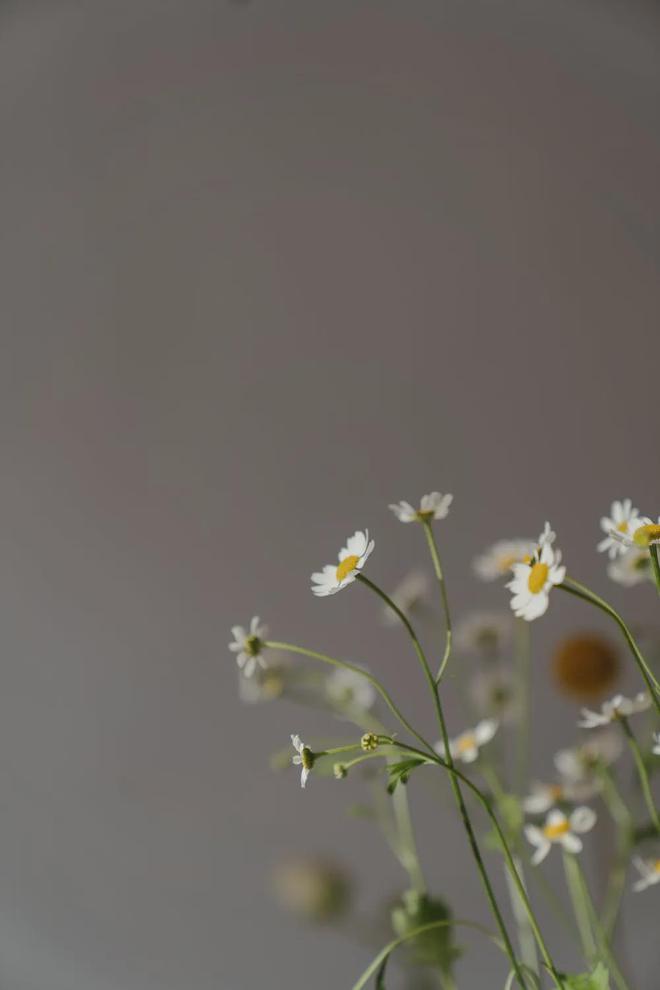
(597,979)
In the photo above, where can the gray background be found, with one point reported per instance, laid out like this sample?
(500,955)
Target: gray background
(265,268)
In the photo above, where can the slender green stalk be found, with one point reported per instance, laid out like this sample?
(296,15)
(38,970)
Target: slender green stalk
(408,855)
(655,564)
(375,965)
(467,824)
(580,909)
(526,939)
(601,948)
(324,658)
(520,887)
(435,557)
(622,819)
(524,666)
(641,771)
(588,596)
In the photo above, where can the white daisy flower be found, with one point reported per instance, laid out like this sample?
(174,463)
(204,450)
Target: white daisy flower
(350,690)
(614,709)
(466,746)
(268,684)
(495,693)
(532,581)
(649,870)
(580,763)
(409,595)
(248,646)
(656,744)
(643,534)
(623,518)
(545,796)
(432,506)
(352,559)
(562,829)
(498,559)
(630,568)
(483,632)
(304,758)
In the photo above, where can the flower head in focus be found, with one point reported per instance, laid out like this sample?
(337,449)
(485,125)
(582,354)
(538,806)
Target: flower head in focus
(466,746)
(497,561)
(585,666)
(432,506)
(304,758)
(352,559)
(580,764)
(649,871)
(623,519)
(409,595)
(532,581)
(562,829)
(495,694)
(483,633)
(630,568)
(618,707)
(248,645)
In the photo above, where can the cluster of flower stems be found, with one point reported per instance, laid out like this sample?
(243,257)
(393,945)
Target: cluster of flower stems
(595,929)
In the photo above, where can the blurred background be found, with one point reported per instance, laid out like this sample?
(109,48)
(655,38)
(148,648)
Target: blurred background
(267,267)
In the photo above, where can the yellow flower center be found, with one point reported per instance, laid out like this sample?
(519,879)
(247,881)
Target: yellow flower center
(556,831)
(645,535)
(347,566)
(424,515)
(556,791)
(466,743)
(622,527)
(538,575)
(656,866)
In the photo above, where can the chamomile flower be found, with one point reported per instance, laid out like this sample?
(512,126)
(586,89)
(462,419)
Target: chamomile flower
(644,534)
(624,519)
(352,559)
(610,711)
(466,746)
(484,633)
(495,694)
(542,797)
(656,744)
(498,559)
(632,567)
(580,764)
(347,689)
(533,581)
(561,829)
(410,594)
(649,871)
(304,758)
(248,645)
(432,506)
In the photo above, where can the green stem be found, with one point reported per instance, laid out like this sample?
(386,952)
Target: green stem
(588,596)
(580,909)
(408,847)
(324,658)
(655,564)
(375,965)
(435,557)
(622,819)
(602,948)
(641,771)
(523,661)
(526,939)
(520,887)
(467,824)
